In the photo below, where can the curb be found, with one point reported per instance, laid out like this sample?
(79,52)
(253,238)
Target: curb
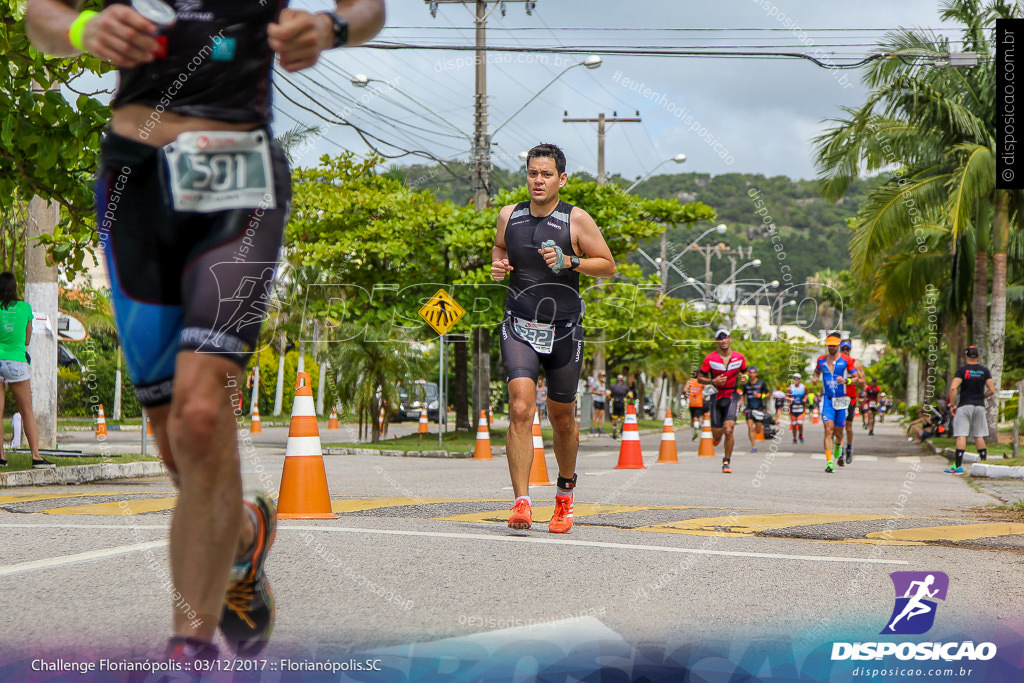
(406,454)
(82,474)
(978,468)
(995,471)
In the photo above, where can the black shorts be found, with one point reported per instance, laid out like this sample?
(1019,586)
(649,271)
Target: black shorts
(562,366)
(598,405)
(724,410)
(698,411)
(618,409)
(182,281)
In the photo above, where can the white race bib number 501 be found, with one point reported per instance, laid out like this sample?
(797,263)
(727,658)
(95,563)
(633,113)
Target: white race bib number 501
(220,170)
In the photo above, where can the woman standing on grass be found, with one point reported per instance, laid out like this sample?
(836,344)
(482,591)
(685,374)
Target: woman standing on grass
(15,333)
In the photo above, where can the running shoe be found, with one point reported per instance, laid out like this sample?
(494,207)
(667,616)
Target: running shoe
(801,439)
(840,461)
(521,517)
(871,433)
(694,437)
(3,462)
(849,457)
(726,469)
(954,470)
(247,619)
(829,468)
(753,450)
(43,464)
(794,439)
(561,520)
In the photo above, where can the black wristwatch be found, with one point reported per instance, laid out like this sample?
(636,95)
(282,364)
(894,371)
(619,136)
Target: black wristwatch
(339,25)
(574,262)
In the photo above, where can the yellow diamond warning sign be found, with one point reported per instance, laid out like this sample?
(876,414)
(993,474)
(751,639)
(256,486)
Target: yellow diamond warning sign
(441,312)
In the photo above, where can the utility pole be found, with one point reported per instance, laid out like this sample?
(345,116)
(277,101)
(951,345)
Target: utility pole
(602,179)
(601,120)
(481,193)
(41,294)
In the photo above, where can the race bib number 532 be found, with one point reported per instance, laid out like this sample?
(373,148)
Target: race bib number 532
(220,170)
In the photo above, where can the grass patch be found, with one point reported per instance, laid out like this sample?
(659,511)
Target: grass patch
(23,461)
(455,442)
(997,449)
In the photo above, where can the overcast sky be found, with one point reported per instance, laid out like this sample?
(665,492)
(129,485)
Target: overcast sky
(726,115)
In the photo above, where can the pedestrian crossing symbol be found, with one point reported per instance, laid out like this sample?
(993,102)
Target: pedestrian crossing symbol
(441,312)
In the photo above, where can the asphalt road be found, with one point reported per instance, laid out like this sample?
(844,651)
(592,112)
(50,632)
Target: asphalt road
(669,556)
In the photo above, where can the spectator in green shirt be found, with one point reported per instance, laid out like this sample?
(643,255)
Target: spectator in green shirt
(15,333)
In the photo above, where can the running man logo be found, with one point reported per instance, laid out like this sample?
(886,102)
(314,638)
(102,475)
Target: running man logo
(441,312)
(914,612)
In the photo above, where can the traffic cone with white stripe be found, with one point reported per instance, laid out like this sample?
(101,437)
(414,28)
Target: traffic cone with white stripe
(149,427)
(630,457)
(101,423)
(380,419)
(707,440)
(304,492)
(539,469)
(255,427)
(814,416)
(332,424)
(424,427)
(667,452)
(482,451)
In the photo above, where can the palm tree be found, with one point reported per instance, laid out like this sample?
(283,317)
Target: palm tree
(936,126)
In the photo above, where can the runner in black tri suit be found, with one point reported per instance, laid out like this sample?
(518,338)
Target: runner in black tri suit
(192,195)
(544,245)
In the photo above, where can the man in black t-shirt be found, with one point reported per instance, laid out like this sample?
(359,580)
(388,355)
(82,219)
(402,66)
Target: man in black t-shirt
(972,384)
(618,393)
(755,391)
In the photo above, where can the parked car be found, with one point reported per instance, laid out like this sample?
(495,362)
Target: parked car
(411,399)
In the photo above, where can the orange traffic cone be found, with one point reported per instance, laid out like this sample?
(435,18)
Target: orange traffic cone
(304,492)
(758,432)
(539,469)
(707,440)
(630,457)
(667,452)
(424,427)
(255,427)
(101,423)
(814,416)
(380,419)
(332,424)
(483,439)
(149,428)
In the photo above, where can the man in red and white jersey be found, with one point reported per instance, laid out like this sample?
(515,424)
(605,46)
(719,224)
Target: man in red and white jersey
(845,347)
(722,369)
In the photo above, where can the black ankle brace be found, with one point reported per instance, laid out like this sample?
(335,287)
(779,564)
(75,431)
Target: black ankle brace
(567,484)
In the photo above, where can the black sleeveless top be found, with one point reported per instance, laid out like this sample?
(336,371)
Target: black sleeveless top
(217,63)
(534,291)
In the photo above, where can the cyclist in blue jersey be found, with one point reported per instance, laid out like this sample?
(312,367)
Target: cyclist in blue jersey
(834,371)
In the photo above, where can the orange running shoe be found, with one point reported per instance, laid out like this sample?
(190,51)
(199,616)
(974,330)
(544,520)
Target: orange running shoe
(561,520)
(726,469)
(521,517)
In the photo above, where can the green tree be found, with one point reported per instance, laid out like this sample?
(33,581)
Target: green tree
(48,144)
(937,125)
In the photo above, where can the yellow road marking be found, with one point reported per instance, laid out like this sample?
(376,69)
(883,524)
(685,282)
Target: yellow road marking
(544,512)
(116,508)
(29,497)
(358,504)
(962,532)
(742,525)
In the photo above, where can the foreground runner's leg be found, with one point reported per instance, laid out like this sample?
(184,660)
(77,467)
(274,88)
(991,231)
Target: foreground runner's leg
(522,393)
(566,443)
(209,528)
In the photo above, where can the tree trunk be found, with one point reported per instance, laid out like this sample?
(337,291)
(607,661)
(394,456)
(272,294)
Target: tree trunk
(481,370)
(979,307)
(462,383)
(997,314)
(913,381)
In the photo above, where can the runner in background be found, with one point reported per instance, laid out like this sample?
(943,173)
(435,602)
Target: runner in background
(722,369)
(695,400)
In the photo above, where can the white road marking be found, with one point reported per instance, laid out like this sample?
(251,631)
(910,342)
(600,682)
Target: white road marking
(77,558)
(589,544)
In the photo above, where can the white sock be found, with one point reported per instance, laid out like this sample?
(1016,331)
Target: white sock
(563,494)
(526,498)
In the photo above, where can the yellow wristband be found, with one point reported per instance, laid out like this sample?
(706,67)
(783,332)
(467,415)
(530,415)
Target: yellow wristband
(77,31)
